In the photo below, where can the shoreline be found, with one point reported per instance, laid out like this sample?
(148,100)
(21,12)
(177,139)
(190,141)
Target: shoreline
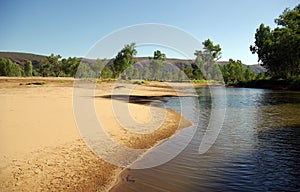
(122,174)
(48,153)
(272,84)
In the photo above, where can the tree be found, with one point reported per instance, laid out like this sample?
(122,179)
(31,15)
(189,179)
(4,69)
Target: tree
(69,66)
(98,66)
(278,49)
(9,68)
(216,73)
(4,67)
(260,76)
(198,67)
(44,67)
(188,71)
(207,58)
(124,59)
(85,71)
(249,74)
(28,69)
(234,72)
(50,66)
(56,64)
(157,64)
(106,73)
(158,55)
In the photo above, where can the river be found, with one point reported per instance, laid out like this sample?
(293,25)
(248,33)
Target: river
(257,149)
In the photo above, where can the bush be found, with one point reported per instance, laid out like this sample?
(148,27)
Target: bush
(9,68)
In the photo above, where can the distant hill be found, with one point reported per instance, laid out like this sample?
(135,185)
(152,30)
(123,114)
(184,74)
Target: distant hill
(256,68)
(21,58)
(143,61)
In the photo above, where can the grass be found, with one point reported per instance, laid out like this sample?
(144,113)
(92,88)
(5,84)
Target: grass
(202,81)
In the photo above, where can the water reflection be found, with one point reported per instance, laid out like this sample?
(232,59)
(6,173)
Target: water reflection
(258,148)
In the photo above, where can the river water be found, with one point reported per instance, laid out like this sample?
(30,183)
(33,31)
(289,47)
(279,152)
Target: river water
(257,149)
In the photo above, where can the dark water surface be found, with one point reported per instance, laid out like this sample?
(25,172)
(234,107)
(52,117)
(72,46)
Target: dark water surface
(258,148)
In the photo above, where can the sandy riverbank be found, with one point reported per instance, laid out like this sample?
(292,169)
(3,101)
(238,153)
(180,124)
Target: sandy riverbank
(40,145)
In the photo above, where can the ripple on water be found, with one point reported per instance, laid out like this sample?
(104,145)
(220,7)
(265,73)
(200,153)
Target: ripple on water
(258,148)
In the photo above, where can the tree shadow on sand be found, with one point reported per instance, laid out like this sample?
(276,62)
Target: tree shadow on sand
(138,99)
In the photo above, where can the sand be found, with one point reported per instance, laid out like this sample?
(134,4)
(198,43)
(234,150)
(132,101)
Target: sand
(41,148)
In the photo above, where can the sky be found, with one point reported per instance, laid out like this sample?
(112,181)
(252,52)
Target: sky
(72,28)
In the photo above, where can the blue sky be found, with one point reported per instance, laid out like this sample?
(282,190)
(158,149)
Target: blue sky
(71,28)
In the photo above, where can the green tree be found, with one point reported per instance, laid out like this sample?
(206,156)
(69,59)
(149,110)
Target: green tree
(69,66)
(15,70)
(260,76)
(278,49)
(216,73)
(28,69)
(249,74)
(206,59)
(212,53)
(158,55)
(50,66)
(234,72)
(157,64)
(188,71)
(124,59)
(44,67)
(106,73)
(198,67)
(3,67)
(85,71)
(9,68)
(98,66)
(55,63)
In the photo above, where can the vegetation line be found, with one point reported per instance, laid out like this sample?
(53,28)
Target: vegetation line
(277,50)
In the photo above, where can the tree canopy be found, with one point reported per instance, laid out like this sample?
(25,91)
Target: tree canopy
(158,55)
(50,66)
(205,63)
(124,59)
(9,68)
(234,72)
(28,69)
(157,64)
(206,59)
(278,49)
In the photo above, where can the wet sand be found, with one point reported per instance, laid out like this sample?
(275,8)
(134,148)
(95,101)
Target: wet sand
(40,145)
